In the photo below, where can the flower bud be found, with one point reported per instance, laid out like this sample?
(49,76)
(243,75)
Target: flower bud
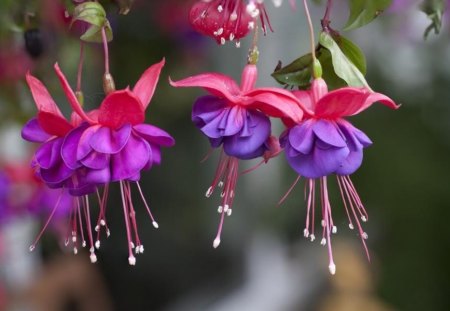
(108,83)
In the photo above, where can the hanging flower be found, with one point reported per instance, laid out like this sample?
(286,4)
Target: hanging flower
(226,20)
(237,118)
(96,148)
(324,143)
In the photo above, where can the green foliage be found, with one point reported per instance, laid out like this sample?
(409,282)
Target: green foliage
(362,12)
(296,74)
(434,10)
(94,14)
(343,63)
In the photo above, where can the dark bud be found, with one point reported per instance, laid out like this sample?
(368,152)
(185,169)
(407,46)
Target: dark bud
(34,42)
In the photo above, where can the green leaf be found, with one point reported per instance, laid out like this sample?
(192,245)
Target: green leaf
(342,65)
(330,77)
(94,34)
(434,9)
(353,53)
(90,12)
(362,12)
(296,74)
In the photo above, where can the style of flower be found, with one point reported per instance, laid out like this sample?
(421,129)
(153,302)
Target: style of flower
(105,145)
(228,20)
(324,143)
(237,118)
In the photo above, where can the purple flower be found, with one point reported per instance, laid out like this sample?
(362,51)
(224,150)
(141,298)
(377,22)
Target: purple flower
(320,147)
(324,143)
(237,118)
(98,147)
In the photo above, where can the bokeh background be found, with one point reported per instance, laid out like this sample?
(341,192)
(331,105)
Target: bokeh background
(263,263)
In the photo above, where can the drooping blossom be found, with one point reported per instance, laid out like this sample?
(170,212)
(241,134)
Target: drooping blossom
(95,148)
(236,118)
(228,20)
(324,143)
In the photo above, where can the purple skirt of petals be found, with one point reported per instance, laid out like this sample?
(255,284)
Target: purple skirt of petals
(49,163)
(101,155)
(242,132)
(317,148)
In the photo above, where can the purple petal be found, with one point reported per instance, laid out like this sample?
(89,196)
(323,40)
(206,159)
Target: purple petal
(212,129)
(70,145)
(155,135)
(97,177)
(87,180)
(96,160)
(216,142)
(156,155)
(57,173)
(110,141)
(135,177)
(234,121)
(319,162)
(131,159)
(33,132)
(215,119)
(356,141)
(249,147)
(49,153)
(351,163)
(301,137)
(84,146)
(206,108)
(328,132)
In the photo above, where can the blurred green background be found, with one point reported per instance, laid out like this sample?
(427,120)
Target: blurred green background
(263,263)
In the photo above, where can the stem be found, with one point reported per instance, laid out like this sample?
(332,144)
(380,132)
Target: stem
(311,31)
(80,67)
(105,48)
(326,18)
(253,54)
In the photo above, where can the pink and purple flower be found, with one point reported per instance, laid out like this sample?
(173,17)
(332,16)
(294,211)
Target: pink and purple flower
(109,144)
(324,143)
(237,118)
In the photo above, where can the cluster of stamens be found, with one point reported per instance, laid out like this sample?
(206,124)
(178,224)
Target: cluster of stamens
(353,206)
(225,178)
(80,223)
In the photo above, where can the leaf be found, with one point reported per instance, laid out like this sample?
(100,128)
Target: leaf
(90,12)
(353,53)
(296,74)
(434,9)
(362,12)
(342,65)
(94,34)
(331,78)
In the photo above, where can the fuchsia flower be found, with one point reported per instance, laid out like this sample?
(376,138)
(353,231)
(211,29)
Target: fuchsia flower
(227,20)
(237,118)
(105,145)
(324,143)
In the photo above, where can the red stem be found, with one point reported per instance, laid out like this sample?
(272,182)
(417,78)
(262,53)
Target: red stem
(105,48)
(80,67)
